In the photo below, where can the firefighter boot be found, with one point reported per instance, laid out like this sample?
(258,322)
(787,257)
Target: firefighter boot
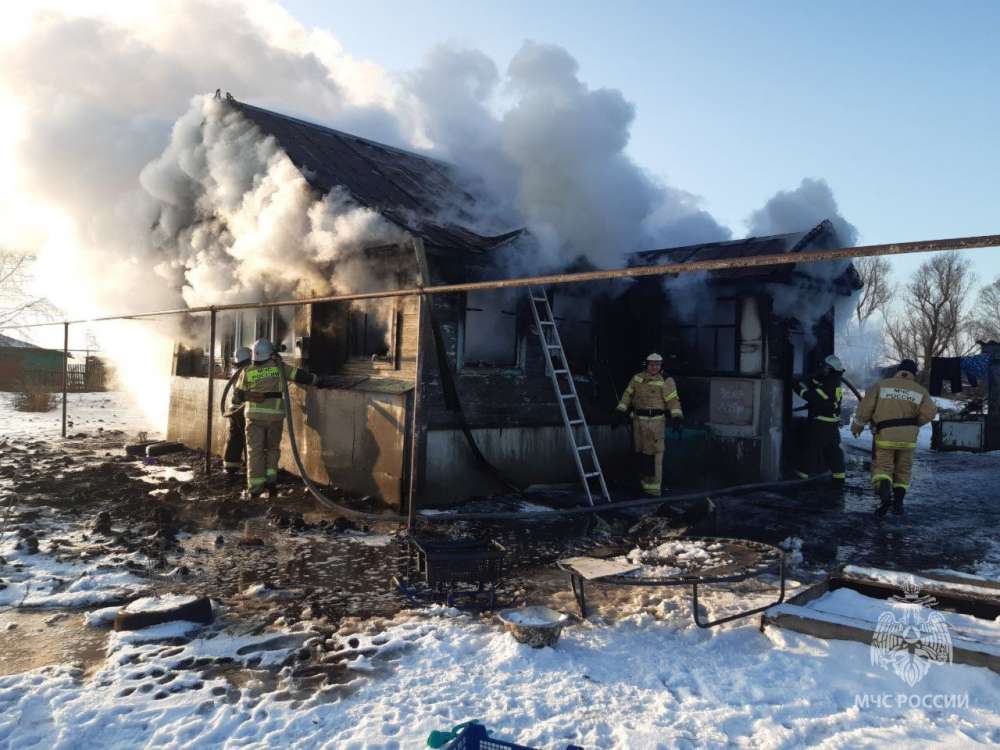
(885,495)
(898,493)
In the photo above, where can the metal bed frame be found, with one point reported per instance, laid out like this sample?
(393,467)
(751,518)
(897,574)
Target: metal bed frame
(751,559)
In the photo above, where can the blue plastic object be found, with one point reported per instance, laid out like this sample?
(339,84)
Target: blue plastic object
(473,736)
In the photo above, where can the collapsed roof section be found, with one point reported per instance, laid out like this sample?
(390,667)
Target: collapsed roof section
(844,281)
(422,195)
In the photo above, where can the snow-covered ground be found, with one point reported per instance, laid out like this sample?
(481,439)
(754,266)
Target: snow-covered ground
(648,680)
(86,412)
(46,579)
(637,674)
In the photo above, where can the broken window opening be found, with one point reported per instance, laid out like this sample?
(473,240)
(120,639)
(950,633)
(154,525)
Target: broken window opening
(369,331)
(706,341)
(490,335)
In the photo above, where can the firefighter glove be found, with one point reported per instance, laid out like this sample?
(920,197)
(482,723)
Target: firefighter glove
(857,429)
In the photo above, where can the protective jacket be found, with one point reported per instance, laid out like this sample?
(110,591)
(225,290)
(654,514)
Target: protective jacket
(651,395)
(823,396)
(259,386)
(898,406)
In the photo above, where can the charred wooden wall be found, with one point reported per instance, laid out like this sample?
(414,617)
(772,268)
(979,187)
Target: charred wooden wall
(354,439)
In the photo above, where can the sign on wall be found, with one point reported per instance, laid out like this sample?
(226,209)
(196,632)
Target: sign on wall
(732,402)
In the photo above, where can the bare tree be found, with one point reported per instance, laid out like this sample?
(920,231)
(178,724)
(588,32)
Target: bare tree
(17,305)
(933,320)
(878,289)
(985,324)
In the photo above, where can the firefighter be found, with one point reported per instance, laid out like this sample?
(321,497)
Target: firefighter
(259,387)
(897,407)
(650,396)
(823,394)
(236,439)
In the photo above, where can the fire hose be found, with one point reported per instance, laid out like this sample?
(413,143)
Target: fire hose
(503,515)
(307,481)
(225,393)
(326,502)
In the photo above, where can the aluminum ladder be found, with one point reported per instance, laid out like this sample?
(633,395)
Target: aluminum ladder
(584,453)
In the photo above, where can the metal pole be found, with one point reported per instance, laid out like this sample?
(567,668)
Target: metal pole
(65,378)
(210,414)
(719,264)
(419,428)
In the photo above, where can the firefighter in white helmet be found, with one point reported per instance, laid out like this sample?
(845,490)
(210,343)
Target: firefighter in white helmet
(259,386)
(651,397)
(823,393)
(236,439)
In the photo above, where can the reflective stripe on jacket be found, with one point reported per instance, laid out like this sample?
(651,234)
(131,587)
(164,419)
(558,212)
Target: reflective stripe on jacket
(266,378)
(897,398)
(654,392)
(823,397)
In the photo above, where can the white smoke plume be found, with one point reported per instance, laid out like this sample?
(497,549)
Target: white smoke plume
(237,221)
(138,190)
(794,211)
(800,209)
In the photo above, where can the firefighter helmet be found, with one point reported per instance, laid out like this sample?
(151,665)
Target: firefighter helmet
(242,356)
(654,357)
(834,363)
(263,350)
(908,365)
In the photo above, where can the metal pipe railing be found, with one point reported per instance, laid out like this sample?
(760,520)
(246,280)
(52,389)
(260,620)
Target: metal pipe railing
(720,264)
(65,375)
(759,261)
(211,395)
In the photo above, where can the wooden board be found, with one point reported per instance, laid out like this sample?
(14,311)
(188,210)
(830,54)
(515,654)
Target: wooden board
(593,568)
(953,593)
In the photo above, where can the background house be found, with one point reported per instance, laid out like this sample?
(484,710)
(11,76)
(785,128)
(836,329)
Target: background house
(24,364)
(727,336)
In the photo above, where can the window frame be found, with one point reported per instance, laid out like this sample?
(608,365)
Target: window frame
(519,341)
(390,361)
(686,327)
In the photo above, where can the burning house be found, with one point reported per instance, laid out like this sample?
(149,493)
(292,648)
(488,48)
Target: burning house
(734,340)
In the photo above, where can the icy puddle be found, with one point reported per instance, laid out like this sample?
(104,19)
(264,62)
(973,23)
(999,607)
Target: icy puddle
(29,640)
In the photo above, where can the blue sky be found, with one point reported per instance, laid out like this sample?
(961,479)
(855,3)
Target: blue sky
(895,104)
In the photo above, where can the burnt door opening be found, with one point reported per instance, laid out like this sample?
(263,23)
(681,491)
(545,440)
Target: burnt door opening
(327,342)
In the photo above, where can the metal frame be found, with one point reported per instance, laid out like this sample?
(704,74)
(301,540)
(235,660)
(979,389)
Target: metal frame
(577,584)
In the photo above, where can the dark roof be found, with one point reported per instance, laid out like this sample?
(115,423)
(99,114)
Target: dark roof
(821,237)
(411,190)
(6,342)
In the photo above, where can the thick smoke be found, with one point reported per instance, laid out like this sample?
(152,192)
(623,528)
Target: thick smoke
(794,211)
(556,157)
(800,209)
(139,190)
(237,221)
